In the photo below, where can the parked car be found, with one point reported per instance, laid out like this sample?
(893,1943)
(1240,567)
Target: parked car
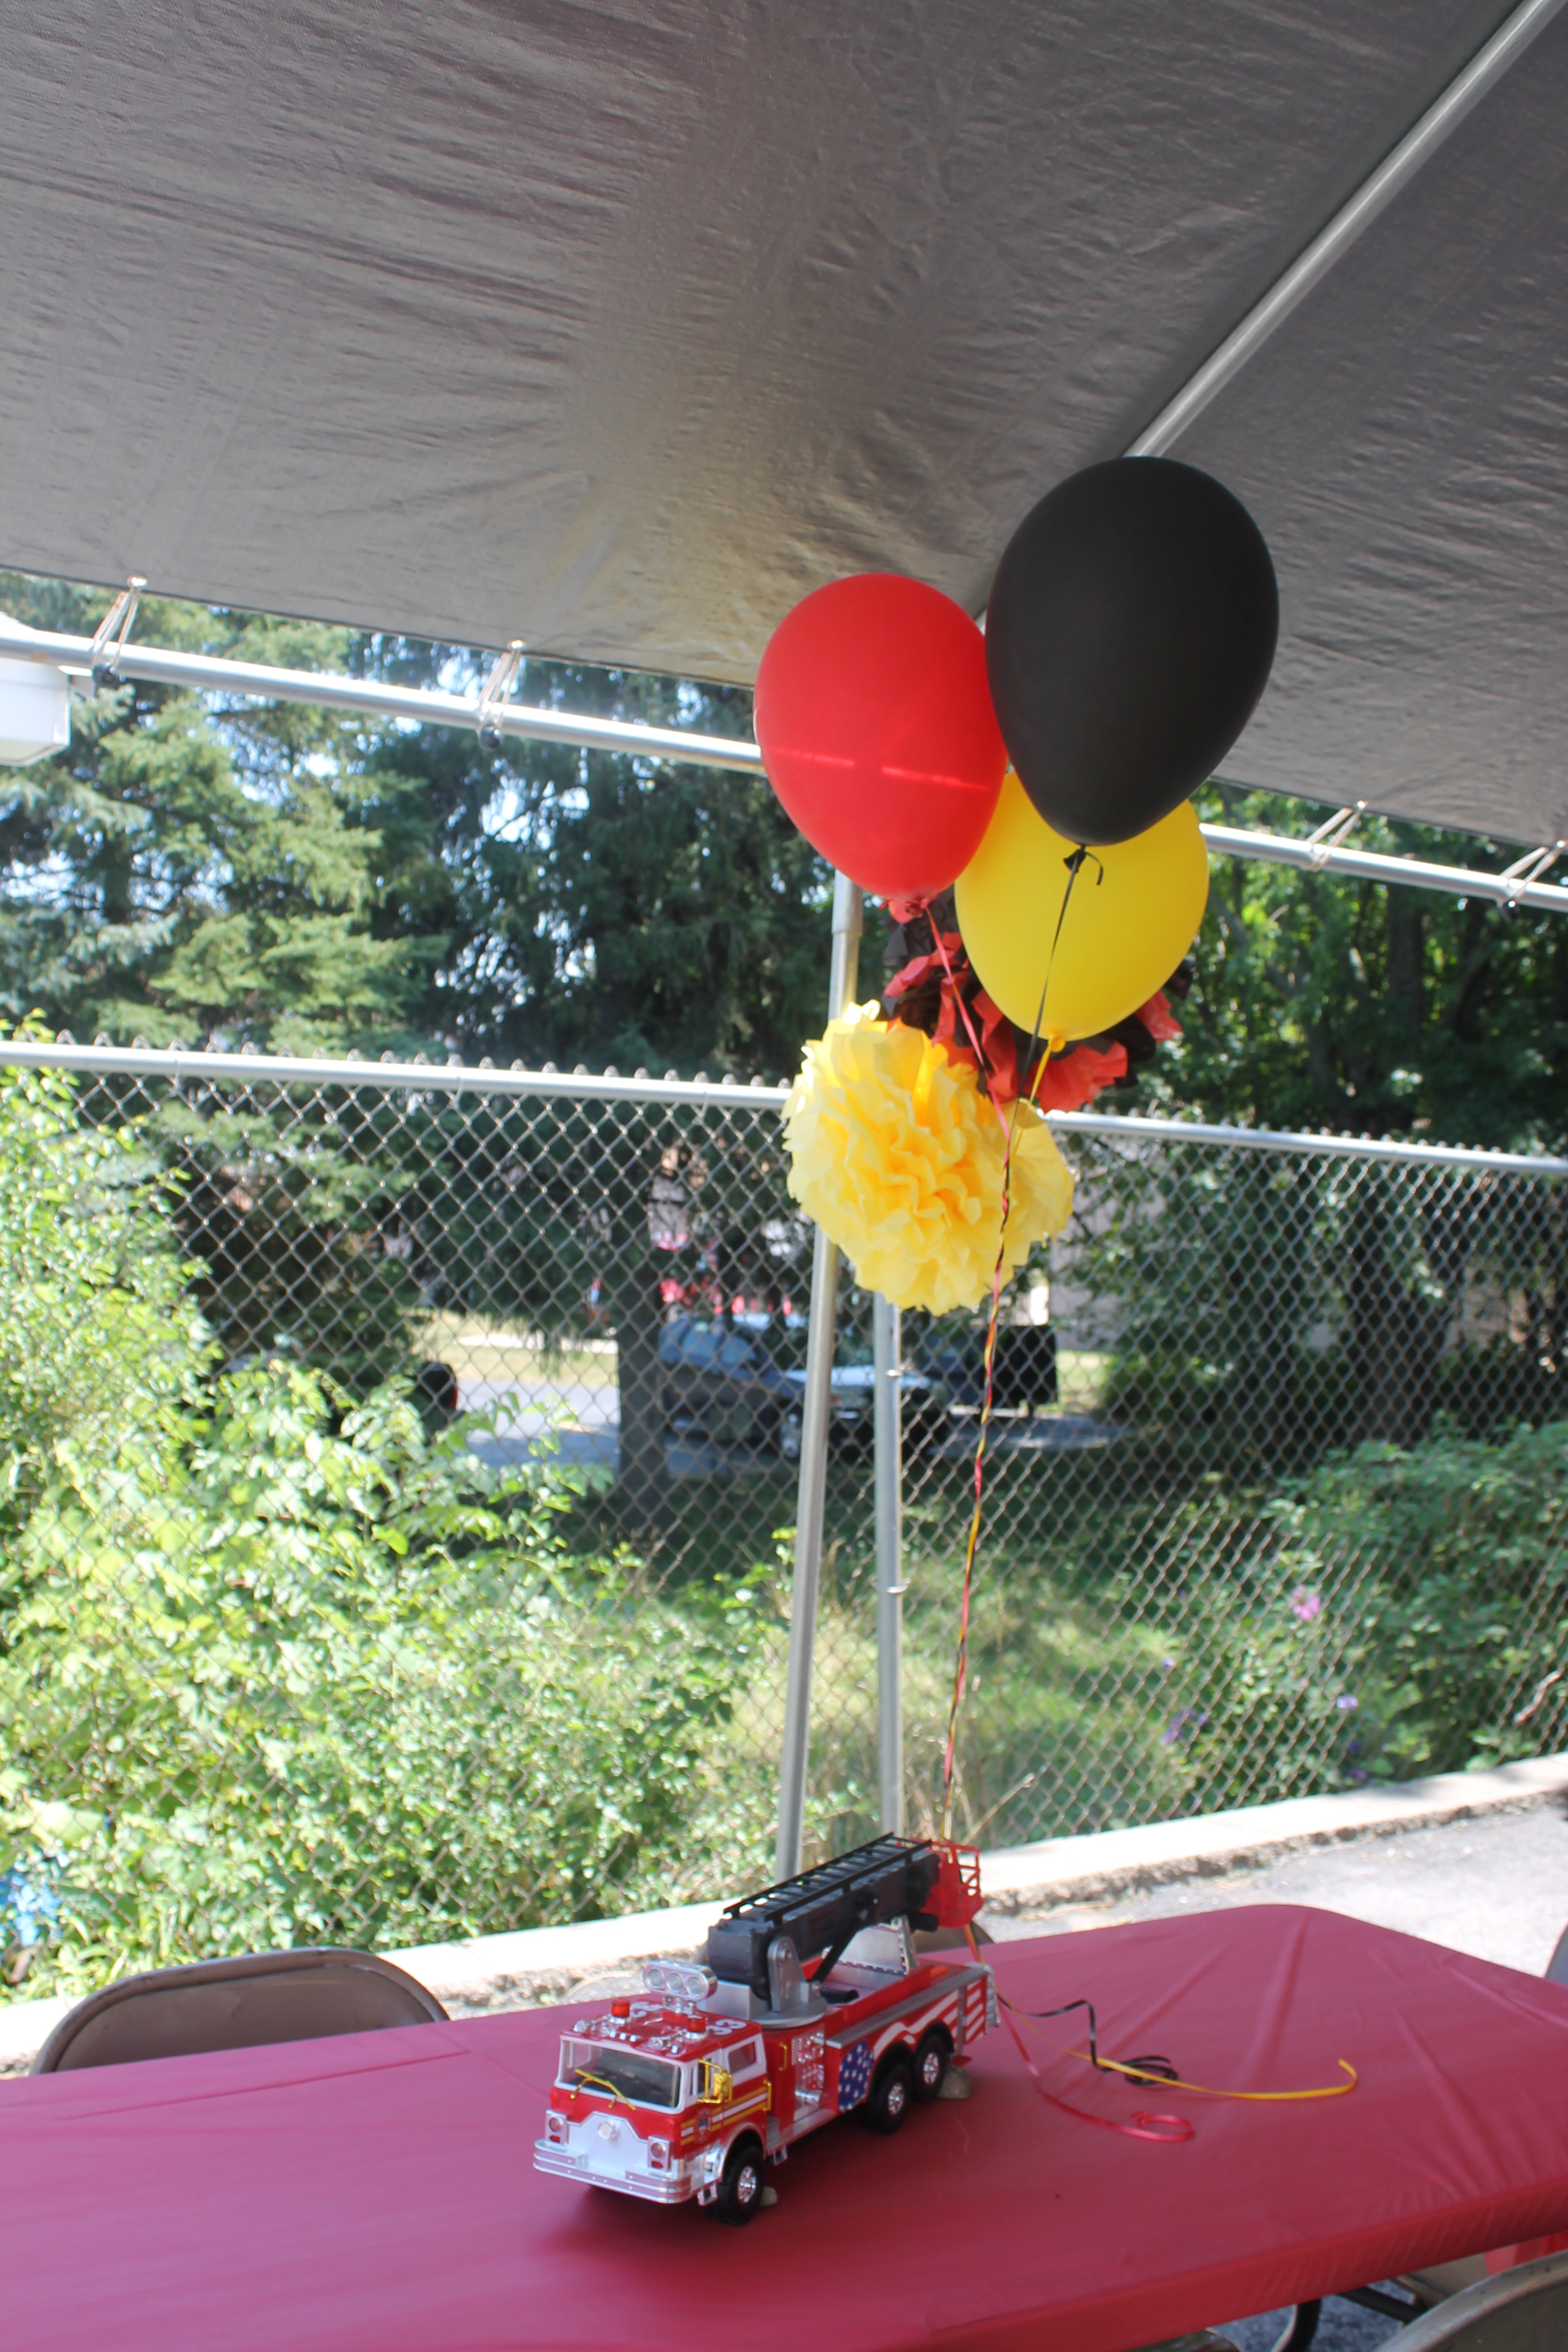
(923,1397)
(1025,1373)
(720,1382)
(741,1381)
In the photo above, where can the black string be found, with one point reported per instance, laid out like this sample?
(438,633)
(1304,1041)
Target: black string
(1075,864)
(1157,2068)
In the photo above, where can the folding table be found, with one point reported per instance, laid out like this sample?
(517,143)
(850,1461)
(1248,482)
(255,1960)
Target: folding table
(378,2191)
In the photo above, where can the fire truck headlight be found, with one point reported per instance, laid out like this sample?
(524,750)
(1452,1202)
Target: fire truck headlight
(658,2155)
(555,2129)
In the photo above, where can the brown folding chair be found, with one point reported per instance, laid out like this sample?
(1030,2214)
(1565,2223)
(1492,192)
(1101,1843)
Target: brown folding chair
(236,2004)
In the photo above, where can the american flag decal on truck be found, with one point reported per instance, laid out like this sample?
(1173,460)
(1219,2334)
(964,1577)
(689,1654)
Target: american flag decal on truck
(853,2075)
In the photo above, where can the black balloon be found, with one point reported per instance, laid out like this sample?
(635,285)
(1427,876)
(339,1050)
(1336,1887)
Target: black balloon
(1129,636)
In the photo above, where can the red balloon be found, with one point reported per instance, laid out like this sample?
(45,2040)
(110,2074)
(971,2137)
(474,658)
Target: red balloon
(874,716)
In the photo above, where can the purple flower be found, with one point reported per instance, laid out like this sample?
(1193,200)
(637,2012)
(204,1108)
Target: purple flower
(1358,1774)
(1306,1604)
(1167,1666)
(1345,1701)
(1177,1726)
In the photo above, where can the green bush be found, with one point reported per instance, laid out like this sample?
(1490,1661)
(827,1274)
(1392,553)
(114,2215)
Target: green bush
(1407,1618)
(273,1669)
(275,1685)
(100,1341)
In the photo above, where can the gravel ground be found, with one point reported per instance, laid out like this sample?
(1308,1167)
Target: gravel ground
(1343,2327)
(1496,1887)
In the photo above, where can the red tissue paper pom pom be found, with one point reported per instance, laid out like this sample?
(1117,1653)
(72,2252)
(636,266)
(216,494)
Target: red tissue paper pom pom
(934,988)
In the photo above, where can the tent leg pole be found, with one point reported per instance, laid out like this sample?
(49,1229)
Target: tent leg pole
(815,1418)
(888,1342)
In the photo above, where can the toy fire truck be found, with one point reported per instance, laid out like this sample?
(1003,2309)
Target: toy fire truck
(813,2001)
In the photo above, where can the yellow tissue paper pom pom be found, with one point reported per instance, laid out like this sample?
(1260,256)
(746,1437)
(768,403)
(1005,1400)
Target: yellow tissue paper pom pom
(897,1156)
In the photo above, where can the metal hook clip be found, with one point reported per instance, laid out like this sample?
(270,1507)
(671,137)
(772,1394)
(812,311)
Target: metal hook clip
(1333,833)
(1530,868)
(112,634)
(494,693)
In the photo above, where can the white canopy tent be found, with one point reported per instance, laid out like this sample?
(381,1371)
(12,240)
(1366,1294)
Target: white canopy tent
(616,330)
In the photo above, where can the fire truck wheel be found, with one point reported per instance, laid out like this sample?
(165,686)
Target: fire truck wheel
(931,2064)
(890,2098)
(741,2182)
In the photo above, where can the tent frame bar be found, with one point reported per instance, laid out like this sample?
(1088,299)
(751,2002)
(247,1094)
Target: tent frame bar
(1513,888)
(425,706)
(416,705)
(1397,169)
(816,1415)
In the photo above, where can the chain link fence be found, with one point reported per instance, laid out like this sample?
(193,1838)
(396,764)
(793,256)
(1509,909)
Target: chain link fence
(401,1466)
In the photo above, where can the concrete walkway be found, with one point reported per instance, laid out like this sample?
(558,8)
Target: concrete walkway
(1495,1885)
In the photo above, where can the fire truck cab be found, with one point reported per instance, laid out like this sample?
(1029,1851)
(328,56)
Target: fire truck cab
(813,2002)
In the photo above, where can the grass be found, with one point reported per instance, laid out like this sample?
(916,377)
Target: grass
(1081,1377)
(1067,1704)
(505,1357)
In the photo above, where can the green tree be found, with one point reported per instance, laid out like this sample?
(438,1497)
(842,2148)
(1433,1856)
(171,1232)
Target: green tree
(274,875)
(596,907)
(1319,1000)
(189,870)
(281,875)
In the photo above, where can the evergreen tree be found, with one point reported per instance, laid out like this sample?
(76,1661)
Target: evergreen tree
(598,907)
(192,870)
(292,877)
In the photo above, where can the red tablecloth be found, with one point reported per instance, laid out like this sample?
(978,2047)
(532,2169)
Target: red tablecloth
(377,2192)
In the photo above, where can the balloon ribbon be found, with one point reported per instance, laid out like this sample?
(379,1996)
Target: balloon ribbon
(1075,865)
(1170,2129)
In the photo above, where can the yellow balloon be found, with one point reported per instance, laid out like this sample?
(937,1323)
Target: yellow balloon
(1133,912)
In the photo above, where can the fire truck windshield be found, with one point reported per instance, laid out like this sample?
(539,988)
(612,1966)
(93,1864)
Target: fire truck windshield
(646,2082)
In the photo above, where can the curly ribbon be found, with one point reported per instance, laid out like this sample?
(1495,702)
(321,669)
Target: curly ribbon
(1009,1129)
(1207,2091)
(1171,2130)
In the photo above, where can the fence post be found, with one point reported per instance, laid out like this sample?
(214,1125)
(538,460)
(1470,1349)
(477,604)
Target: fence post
(813,1489)
(888,1348)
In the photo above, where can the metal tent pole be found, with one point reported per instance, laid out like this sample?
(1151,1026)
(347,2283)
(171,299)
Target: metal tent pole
(425,706)
(422,706)
(814,1444)
(888,1339)
(1398,167)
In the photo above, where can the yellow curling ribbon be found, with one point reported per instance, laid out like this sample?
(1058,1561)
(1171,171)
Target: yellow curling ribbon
(1174,2083)
(1160,2075)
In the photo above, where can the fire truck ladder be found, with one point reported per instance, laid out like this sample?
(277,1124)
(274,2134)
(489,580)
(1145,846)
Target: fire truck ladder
(821,1910)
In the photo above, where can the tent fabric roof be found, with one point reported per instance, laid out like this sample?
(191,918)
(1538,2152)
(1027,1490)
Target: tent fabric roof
(618,326)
